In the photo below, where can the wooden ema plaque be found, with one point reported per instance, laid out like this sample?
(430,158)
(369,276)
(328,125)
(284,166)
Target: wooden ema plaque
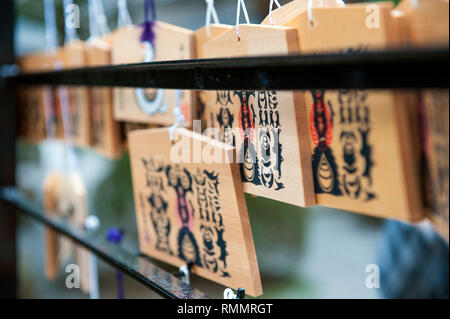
(427,25)
(194,210)
(436,134)
(105,131)
(62,194)
(362,140)
(269,128)
(73,55)
(153,106)
(33,124)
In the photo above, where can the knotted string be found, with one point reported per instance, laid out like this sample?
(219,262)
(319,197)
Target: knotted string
(101,18)
(51,34)
(93,26)
(210,11)
(51,43)
(124,16)
(244,9)
(71,33)
(147,34)
(271,8)
(97,19)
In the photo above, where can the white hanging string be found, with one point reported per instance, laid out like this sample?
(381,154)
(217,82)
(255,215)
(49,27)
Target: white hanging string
(102,23)
(124,17)
(92,223)
(93,26)
(72,160)
(244,9)
(271,8)
(51,34)
(71,33)
(210,12)
(179,117)
(97,19)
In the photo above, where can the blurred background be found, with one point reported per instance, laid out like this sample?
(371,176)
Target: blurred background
(302,253)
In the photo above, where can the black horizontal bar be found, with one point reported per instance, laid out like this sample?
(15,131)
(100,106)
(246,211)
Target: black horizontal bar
(414,68)
(139,268)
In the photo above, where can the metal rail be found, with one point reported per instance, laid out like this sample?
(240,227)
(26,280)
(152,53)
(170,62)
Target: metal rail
(413,68)
(139,268)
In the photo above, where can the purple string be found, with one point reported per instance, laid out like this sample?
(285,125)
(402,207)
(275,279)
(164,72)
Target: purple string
(115,236)
(148,34)
(120,289)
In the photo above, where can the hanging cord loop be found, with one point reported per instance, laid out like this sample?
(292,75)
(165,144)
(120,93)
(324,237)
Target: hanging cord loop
(244,9)
(271,8)
(97,19)
(210,12)
(148,35)
(51,33)
(124,17)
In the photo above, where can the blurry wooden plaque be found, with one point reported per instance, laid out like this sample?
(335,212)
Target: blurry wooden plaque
(65,196)
(427,24)
(105,131)
(190,208)
(73,55)
(39,110)
(268,128)
(150,105)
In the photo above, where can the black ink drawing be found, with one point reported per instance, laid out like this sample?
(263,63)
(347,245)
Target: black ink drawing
(181,181)
(214,251)
(248,158)
(354,127)
(225,118)
(269,140)
(158,205)
(326,178)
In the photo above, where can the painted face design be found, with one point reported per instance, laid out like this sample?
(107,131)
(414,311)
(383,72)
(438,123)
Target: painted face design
(326,179)
(213,245)
(246,116)
(161,222)
(354,125)
(181,181)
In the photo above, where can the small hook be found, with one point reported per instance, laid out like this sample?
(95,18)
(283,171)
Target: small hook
(184,272)
(229,294)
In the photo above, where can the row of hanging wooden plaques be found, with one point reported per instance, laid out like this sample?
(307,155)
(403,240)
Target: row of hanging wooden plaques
(355,150)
